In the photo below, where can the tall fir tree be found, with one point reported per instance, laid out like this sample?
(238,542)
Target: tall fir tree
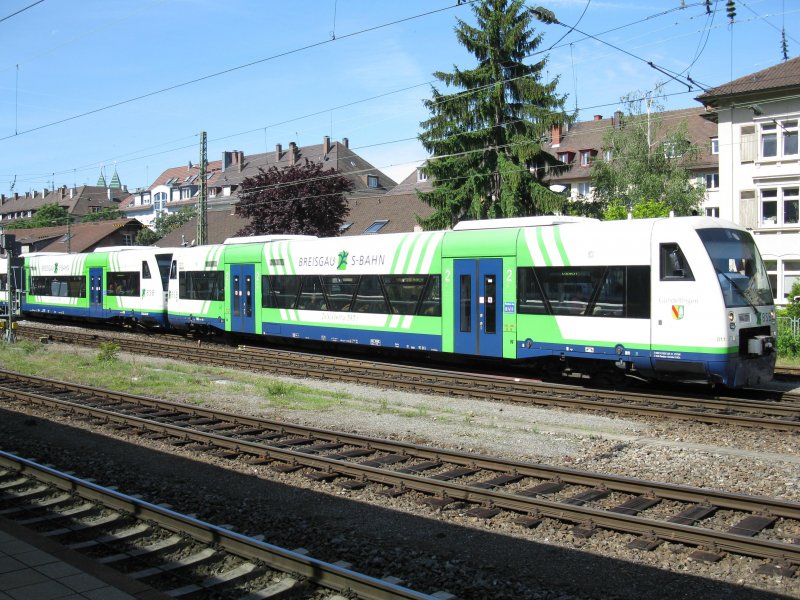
(485,140)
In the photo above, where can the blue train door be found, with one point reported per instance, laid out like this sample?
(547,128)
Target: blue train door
(478,310)
(242,295)
(96,292)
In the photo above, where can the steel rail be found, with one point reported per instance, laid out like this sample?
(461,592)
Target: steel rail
(280,559)
(784,416)
(692,535)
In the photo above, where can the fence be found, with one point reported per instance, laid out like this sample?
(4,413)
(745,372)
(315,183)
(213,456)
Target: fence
(791,325)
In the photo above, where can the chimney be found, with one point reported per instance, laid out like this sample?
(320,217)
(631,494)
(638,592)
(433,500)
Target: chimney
(598,117)
(346,142)
(2,199)
(44,192)
(71,193)
(240,159)
(555,135)
(292,153)
(226,160)
(16,196)
(278,150)
(108,193)
(326,144)
(617,120)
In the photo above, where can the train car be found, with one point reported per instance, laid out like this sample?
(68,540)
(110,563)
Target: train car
(125,284)
(679,298)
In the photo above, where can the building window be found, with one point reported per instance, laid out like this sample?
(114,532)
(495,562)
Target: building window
(127,239)
(212,192)
(608,155)
(584,188)
(586,157)
(376,226)
(344,227)
(791,273)
(778,139)
(712,211)
(95,209)
(711,181)
(186,193)
(564,157)
(158,200)
(714,145)
(421,176)
(779,206)
(372,181)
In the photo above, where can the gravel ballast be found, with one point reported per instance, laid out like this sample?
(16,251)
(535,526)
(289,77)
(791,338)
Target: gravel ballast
(443,549)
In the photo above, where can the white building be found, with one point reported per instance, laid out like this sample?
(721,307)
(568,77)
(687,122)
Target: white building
(759,164)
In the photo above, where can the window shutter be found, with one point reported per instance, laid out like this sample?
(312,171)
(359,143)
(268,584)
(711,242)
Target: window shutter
(748,209)
(748,144)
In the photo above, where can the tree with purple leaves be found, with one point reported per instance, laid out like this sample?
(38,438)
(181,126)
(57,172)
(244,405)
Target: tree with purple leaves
(300,199)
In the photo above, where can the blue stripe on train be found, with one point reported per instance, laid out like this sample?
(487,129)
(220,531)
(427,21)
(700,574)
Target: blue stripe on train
(385,339)
(86,313)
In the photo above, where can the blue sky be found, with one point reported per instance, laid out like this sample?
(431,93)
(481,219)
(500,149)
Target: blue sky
(321,65)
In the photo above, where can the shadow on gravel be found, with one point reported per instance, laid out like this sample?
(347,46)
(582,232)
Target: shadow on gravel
(377,541)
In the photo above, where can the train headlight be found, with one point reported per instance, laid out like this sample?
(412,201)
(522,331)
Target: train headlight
(772,316)
(731,317)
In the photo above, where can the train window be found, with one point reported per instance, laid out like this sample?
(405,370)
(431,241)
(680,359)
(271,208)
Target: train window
(311,296)
(279,291)
(164,261)
(569,290)
(370,298)
(529,296)
(340,290)
(145,270)
(637,292)
(3,282)
(465,306)
(490,308)
(611,300)
(674,266)
(236,303)
(64,286)
(201,285)
(173,272)
(122,283)
(404,292)
(431,304)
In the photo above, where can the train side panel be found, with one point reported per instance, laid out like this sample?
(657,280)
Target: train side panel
(134,287)
(65,284)
(365,290)
(196,289)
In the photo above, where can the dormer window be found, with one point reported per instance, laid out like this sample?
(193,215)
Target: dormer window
(586,157)
(376,226)
(372,181)
(714,145)
(565,157)
(421,176)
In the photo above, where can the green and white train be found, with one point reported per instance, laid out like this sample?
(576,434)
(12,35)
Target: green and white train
(676,298)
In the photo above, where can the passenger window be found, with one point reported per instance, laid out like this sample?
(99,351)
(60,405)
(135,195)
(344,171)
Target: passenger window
(637,305)
(610,302)
(279,291)
(340,290)
(529,296)
(311,294)
(403,292)
(370,298)
(674,266)
(431,305)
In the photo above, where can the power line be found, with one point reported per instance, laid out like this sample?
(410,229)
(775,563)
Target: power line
(230,70)
(21,10)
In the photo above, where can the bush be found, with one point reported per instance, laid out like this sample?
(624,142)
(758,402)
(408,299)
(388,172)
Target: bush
(109,352)
(788,344)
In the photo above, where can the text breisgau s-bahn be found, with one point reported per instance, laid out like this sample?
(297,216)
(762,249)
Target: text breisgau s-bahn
(676,298)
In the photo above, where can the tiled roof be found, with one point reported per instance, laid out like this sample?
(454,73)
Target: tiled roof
(84,199)
(780,76)
(183,173)
(221,225)
(85,236)
(588,135)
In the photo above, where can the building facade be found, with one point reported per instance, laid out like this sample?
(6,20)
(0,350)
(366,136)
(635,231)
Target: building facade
(759,164)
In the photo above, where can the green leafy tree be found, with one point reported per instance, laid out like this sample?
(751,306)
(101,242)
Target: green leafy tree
(49,215)
(164,224)
(485,137)
(300,199)
(107,214)
(647,174)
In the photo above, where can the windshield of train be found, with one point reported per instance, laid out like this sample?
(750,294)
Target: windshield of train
(739,268)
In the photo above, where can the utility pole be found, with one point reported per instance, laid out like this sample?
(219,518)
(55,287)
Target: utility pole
(202,201)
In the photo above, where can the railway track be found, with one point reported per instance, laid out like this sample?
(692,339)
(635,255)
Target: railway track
(791,373)
(174,553)
(712,523)
(774,411)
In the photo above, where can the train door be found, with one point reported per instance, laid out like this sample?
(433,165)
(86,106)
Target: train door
(242,297)
(478,310)
(96,292)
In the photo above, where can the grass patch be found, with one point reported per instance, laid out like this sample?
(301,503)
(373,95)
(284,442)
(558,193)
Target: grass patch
(181,382)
